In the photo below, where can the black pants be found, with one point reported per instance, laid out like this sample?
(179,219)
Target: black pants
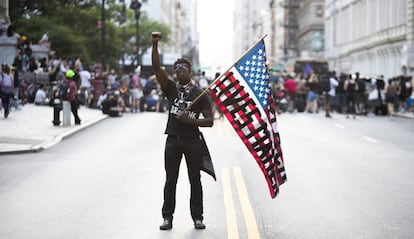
(5,100)
(74,108)
(351,104)
(175,148)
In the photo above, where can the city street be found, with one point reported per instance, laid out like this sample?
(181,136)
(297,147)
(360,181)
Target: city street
(347,178)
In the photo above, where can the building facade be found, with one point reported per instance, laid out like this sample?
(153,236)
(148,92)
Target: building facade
(373,37)
(292,26)
(310,32)
(253,20)
(181,16)
(4,9)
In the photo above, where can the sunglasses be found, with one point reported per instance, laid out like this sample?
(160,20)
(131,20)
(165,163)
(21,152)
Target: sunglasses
(181,67)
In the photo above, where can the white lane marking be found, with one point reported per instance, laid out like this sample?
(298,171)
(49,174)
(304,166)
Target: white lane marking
(248,212)
(370,139)
(232,228)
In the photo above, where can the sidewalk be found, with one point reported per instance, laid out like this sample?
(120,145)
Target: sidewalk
(30,129)
(408,115)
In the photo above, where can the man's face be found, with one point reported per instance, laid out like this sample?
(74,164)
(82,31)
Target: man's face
(183,73)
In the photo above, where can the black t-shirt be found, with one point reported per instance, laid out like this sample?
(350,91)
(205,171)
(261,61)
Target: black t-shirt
(177,104)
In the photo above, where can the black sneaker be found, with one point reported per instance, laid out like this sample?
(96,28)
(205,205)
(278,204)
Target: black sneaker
(198,224)
(167,224)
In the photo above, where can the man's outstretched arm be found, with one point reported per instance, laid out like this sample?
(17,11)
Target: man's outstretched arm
(162,76)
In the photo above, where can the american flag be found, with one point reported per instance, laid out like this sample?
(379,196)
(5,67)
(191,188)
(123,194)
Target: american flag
(243,94)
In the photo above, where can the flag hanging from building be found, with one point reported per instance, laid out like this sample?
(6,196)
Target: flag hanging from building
(243,94)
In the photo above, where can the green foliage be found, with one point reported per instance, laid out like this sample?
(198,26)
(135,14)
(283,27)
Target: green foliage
(72,28)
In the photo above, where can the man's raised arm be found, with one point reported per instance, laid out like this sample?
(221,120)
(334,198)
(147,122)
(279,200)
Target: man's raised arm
(162,76)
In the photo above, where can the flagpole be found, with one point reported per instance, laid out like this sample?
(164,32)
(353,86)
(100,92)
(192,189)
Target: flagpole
(212,83)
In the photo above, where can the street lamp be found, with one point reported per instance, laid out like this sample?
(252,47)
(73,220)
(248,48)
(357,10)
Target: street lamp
(123,21)
(136,6)
(103,33)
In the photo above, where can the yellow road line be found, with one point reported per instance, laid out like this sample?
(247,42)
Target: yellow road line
(249,219)
(232,229)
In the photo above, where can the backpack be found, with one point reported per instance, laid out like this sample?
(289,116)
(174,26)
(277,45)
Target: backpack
(6,84)
(63,90)
(325,84)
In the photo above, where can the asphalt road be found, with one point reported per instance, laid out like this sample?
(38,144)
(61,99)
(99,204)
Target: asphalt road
(346,179)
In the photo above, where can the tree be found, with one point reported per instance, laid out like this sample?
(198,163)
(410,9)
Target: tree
(146,28)
(72,27)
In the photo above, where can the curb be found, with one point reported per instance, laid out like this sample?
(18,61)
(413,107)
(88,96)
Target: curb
(57,139)
(406,115)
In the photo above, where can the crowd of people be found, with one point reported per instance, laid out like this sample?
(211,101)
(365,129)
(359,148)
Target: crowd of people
(97,87)
(104,89)
(115,93)
(349,94)
(37,81)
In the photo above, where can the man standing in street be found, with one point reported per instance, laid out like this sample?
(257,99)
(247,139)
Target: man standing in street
(183,134)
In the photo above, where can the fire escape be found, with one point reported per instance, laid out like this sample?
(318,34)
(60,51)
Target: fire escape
(291,25)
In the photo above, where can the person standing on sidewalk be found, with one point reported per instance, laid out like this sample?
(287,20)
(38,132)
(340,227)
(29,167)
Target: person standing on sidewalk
(351,89)
(72,95)
(183,135)
(391,97)
(313,94)
(15,72)
(290,86)
(6,88)
(330,95)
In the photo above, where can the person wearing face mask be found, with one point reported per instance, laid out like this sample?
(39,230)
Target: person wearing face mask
(183,135)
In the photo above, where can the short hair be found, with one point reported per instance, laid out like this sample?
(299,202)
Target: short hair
(182,61)
(6,68)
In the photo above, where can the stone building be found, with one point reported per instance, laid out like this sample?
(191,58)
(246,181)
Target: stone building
(4,9)
(181,17)
(373,37)
(310,28)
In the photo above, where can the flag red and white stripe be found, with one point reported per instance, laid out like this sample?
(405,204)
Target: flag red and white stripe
(243,94)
